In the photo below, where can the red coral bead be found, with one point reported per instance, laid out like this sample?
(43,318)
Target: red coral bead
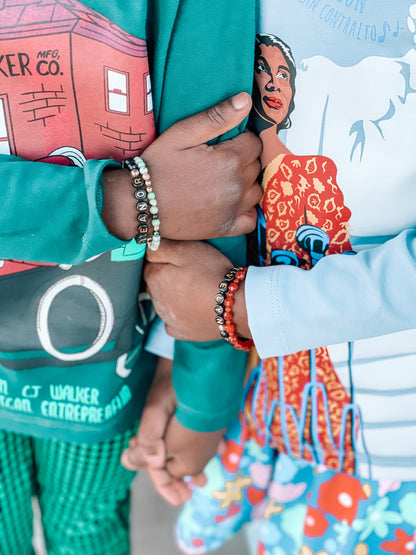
(240,276)
(233,287)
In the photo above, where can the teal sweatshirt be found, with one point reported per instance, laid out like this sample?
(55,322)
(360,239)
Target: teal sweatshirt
(72,364)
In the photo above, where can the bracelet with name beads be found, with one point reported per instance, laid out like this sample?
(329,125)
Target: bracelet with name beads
(224,301)
(146,202)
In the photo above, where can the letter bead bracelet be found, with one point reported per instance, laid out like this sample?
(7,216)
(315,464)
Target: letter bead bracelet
(146,203)
(224,300)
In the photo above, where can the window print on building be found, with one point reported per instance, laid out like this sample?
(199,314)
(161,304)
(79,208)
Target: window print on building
(116,87)
(148,92)
(67,64)
(5,130)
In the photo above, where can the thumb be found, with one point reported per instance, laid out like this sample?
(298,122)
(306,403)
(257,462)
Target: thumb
(211,123)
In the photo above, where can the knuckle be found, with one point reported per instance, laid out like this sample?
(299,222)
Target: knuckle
(247,222)
(235,161)
(148,451)
(135,457)
(231,167)
(228,227)
(256,195)
(251,225)
(215,116)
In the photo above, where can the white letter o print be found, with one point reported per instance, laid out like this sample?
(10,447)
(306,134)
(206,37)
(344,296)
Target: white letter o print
(106,317)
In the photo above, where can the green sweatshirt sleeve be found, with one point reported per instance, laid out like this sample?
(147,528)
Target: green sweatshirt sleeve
(51,213)
(198,61)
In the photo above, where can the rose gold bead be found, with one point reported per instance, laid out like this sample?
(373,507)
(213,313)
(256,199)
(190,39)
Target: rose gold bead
(146,176)
(135,173)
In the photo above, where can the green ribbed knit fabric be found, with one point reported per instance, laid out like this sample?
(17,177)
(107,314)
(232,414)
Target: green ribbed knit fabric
(17,485)
(84,495)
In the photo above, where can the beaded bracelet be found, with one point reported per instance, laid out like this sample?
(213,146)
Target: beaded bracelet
(146,200)
(154,241)
(224,301)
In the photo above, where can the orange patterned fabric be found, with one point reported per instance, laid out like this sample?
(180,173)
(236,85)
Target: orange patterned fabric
(302,191)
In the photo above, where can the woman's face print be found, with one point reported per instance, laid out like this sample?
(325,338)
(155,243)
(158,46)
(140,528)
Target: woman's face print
(273,80)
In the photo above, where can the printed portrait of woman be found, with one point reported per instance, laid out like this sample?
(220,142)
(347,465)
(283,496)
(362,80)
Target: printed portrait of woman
(273,93)
(302,218)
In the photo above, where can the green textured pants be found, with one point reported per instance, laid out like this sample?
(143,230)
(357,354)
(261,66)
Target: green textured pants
(83,492)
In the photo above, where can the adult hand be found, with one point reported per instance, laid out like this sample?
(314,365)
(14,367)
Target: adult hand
(182,279)
(202,191)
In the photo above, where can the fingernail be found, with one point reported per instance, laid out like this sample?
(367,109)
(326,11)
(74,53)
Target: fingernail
(240,101)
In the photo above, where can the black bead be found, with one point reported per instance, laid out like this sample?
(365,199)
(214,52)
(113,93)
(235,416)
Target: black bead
(224,334)
(141,206)
(220,321)
(143,229)
(137,182)
(143,218)
(223,286)
(219,309)
(229,277)
(140,194)
(141,239)
(219,298)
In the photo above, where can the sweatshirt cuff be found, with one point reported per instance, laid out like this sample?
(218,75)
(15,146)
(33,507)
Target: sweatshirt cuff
(208,378)
(96,238)
(262,293)
(207,422)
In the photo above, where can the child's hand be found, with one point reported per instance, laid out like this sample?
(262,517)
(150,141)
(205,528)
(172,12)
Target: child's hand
(181,271)
(188,451)
(147,449)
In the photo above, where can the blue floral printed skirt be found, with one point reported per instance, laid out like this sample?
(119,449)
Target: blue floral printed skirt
(300,508)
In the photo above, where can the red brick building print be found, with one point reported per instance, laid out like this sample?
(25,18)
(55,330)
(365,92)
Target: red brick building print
(59,58)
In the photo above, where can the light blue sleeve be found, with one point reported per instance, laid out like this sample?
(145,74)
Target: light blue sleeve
(159,342)
(343,298)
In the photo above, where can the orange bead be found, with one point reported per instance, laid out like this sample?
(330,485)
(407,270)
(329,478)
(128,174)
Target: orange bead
(232,288)
(228,315)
